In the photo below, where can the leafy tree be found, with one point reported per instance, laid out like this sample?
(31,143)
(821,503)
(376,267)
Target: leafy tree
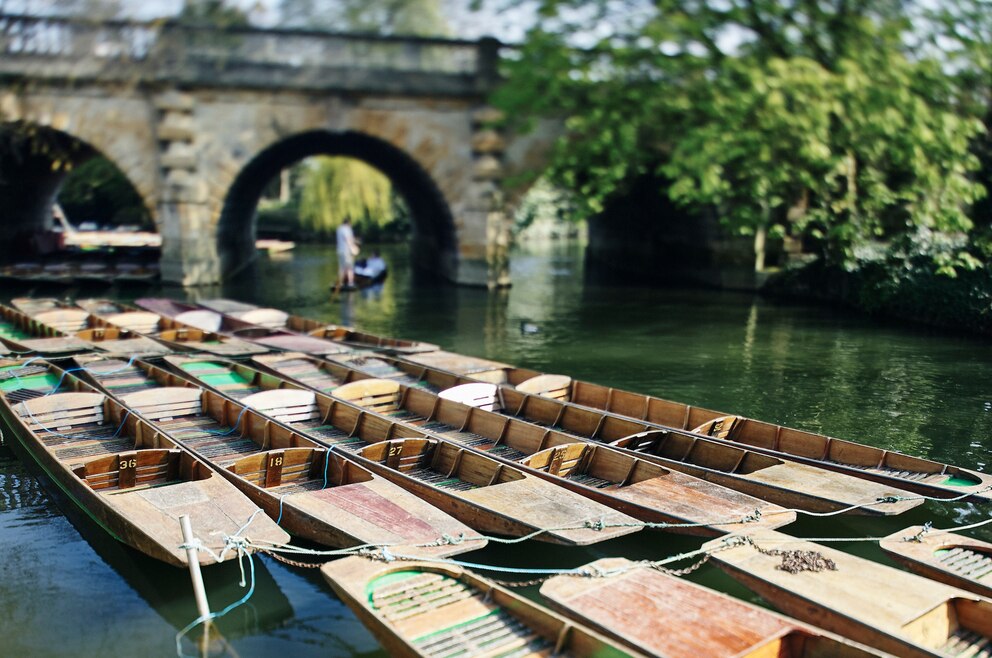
(97,191)
(963,31)
(793,115)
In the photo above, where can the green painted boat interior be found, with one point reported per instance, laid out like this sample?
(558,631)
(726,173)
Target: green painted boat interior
(10,332)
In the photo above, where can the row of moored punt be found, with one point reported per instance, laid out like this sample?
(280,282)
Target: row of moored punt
(218,410)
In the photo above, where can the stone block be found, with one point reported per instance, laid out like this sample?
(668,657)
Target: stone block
(174,101)
(487,168)
(488,141)
(487,116)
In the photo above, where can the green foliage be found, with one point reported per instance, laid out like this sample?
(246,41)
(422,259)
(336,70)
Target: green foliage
(332,189)
(97,191)
(800,118)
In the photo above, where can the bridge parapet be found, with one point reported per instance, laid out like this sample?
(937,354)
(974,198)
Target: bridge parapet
(171,52)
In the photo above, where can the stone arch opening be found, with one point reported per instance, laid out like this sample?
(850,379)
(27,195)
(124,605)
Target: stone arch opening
(434,240)
(35,163)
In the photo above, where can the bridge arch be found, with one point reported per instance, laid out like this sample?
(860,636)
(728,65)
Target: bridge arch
(35,160)
(434,238)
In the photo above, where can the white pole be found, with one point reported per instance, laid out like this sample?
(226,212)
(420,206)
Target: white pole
(194,569)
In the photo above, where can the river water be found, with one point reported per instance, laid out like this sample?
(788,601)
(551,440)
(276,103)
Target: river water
(66,589)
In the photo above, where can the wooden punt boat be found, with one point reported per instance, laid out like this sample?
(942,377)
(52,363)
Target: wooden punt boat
(130,479)
(669,612)
(33,305)
(175,335)
(883,607)
(264,334)
(945,556)
(769,478)
(349,339)
(172,335)
(888,467)
(495,505)
(21,334)
(423,609)
(316,494)
(96,334)
(621,481)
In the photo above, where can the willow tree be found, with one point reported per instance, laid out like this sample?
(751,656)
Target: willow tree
(335,189)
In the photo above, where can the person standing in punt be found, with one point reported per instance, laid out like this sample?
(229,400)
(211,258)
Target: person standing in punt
(347,250)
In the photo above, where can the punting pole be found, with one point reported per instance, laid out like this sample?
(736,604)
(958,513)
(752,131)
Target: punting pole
(193,560)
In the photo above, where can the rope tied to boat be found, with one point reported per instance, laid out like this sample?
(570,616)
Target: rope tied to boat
(753,517)
(447,540)
(918,537)
(598,525)
(793,561)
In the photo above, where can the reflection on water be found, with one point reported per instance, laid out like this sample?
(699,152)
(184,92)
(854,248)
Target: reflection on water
(806,366)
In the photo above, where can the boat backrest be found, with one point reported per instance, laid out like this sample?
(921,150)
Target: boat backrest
(285,404)
(165,403)
(130,469)
(379,395)
(483,396)
(141,322)
(272,318)
(275,468)
(557,387)
(720,428)
(560,460)
(66,320)
(201,319)
(61,412)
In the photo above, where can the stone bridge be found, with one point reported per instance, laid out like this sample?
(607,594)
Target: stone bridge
(200,119)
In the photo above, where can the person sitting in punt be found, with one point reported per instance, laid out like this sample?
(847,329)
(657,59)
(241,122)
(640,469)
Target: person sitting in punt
(373,266)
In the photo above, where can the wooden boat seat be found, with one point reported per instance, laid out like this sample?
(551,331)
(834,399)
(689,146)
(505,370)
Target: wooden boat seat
(720,428)
(67,321)
(563,461)
(72,426)
(690,450)
(440,464)
(378,395)
(482,396)
(557,387)
(62,412)
(117,376)
(289,470)
(285,405)
(201,319)
(179,412)
(131,470)
(272,318)
(442,616)
(165,403)
(141,322)
(379,368)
